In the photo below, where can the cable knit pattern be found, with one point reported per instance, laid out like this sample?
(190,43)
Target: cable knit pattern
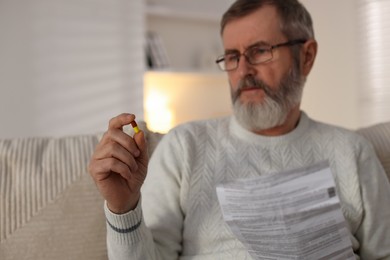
(182,216)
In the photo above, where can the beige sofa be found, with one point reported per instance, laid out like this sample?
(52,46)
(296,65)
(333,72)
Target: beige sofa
(50,207)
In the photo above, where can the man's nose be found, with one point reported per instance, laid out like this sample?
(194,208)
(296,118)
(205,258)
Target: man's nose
(244,67)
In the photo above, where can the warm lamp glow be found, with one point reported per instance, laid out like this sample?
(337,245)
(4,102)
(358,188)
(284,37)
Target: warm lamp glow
(157,112)
(174,98)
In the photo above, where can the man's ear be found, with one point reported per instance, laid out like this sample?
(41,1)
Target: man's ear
(308,55)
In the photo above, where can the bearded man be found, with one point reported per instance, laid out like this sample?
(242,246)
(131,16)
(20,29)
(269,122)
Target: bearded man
(269,50)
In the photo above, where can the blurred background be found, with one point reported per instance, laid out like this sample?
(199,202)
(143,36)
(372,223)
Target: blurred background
(68,66)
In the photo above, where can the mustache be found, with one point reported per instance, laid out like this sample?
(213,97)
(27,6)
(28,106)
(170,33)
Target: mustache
(250,82)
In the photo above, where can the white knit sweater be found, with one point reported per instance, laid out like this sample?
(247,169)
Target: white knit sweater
(180,217)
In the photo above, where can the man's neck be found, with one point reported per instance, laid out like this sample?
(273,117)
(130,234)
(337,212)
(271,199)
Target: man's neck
(290,124)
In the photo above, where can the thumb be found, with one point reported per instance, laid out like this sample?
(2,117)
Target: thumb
(140,140)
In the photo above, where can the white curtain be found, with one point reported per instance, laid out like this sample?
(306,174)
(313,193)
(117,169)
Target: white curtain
(374,56)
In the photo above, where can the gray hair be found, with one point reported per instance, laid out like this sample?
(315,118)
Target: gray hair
(296,22)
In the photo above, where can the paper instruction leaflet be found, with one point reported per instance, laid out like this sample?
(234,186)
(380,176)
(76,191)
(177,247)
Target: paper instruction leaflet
(288,215)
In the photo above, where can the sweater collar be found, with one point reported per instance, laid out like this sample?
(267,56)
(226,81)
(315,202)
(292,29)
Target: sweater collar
(243,134)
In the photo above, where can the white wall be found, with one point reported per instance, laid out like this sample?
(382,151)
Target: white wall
(68,66)
(332,91)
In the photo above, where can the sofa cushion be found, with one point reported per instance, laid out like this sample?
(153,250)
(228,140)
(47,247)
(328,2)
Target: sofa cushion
(379,136)
(49,205)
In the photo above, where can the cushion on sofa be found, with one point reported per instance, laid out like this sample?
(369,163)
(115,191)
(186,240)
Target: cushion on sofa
(49,205)
(379,136)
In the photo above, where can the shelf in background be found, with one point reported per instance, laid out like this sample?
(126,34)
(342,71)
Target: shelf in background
(189,72)
(172,12)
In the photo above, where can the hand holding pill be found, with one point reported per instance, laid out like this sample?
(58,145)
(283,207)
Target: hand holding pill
(119,164)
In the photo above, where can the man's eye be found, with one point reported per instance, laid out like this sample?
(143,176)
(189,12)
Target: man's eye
(231,57)
(259,51)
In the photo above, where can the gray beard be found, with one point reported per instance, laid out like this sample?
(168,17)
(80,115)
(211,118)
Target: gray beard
(276,106)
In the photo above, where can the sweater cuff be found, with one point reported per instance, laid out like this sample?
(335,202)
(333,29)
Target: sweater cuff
(124,228)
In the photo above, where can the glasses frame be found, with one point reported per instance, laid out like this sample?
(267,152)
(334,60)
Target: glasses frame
(248,59)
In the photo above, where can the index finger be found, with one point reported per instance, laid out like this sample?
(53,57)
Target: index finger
(121,120)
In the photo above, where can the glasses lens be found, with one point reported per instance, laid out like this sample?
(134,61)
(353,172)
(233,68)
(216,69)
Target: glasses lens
(254,56)
(230,61)
(257,55)
(221,64)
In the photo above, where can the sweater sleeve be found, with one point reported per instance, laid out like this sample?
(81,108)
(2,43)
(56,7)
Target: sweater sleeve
(373,232)
(153,230)
(127,235)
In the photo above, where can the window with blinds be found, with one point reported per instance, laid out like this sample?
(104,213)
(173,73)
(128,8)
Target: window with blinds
(374,54)
(68,66)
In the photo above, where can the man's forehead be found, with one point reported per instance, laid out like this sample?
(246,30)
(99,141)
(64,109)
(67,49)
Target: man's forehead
(262,25)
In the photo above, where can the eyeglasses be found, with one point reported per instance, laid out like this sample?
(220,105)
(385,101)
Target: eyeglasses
(254,55)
